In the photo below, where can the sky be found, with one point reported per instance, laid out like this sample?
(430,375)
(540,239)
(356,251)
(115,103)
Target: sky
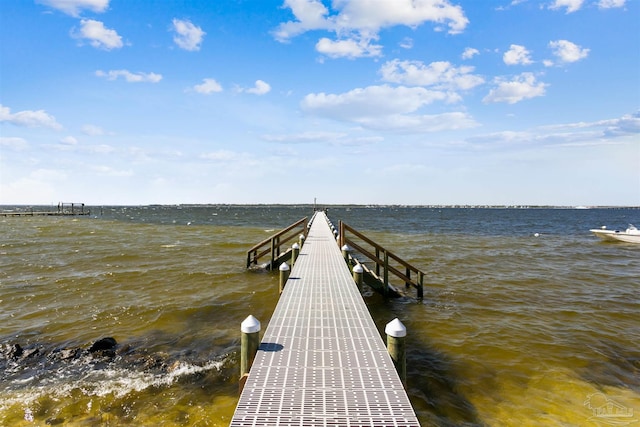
(418,102)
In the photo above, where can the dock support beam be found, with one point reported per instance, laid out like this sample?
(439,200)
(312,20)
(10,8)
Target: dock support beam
(396,346)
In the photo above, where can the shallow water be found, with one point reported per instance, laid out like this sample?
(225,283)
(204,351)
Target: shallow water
(514,329)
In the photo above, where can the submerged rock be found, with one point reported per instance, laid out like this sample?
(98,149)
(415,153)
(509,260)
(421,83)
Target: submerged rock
(103,344)
(16,351)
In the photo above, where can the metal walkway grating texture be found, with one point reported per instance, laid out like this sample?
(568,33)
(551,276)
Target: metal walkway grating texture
(322,361)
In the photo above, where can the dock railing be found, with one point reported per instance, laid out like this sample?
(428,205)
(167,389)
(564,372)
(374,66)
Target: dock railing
(272,245)
(386,262)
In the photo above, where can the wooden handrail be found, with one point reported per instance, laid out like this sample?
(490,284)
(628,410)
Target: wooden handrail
(383,263)
(274,243)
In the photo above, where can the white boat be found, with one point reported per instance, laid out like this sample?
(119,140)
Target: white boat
(630,235)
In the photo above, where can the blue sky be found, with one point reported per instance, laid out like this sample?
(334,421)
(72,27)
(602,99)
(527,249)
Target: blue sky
(361,101)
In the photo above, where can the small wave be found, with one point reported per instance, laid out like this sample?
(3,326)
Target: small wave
(117,382)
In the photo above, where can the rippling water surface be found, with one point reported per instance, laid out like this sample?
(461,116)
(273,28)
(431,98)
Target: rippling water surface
(527,319)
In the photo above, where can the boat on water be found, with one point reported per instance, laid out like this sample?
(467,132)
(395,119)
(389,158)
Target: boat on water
(630,235)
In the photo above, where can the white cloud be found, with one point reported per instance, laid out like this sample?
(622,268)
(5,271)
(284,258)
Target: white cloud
(208,86)
(571,5)
(600,132)
(609,4)
(14,143)
(69,140)
(260,88)
(357,22)
(470,53)
(417,123)
(387,108)
(33,186)
(406,43)
(74,7)
(188,36)
(440,75)
(129,76)
(109,171)
(568,52)
(520,88)
(629,124)
(371,101)
(29,118)
(98,35)
(92,130)
(219,156)
(348,48)
(305,137)
(517,55)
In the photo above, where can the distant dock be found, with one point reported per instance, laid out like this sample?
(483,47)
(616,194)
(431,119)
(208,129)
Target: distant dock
(64,209)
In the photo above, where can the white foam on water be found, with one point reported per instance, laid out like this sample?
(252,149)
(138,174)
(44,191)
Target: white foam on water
(99,383)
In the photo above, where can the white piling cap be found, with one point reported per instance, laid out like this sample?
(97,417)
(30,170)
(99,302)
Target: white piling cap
(295,246)
(284,267)
(346,248)
(301,237)
(358,268)
(250,325)
(396,329)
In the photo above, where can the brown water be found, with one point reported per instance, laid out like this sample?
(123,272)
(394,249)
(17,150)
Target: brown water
(514,329)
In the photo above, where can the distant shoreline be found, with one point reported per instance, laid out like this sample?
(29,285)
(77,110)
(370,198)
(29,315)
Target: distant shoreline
(25,207)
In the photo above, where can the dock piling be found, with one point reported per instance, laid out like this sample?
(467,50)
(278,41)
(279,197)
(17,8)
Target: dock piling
(295,251)
(396,333)
(284,275)
(345,252)
(249,342)
(358,275)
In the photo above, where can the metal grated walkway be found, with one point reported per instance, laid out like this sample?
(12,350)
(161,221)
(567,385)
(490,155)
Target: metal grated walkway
(322,361)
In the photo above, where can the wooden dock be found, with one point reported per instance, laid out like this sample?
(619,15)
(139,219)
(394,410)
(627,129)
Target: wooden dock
(64,209)
(322,361)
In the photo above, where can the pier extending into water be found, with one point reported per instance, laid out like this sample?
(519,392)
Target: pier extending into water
(321,361)
(63,209)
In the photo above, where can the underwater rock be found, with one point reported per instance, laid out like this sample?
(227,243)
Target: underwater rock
(16,351)
(103,344)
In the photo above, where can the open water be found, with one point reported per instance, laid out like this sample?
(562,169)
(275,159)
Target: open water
(527,319)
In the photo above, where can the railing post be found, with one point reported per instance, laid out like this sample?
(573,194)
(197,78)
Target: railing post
(284,275)
(421,285)
(273,254)
(249,342)
(407,272)
(358,275)
(396,346)
(295,250)
(377,263)
(386,272)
